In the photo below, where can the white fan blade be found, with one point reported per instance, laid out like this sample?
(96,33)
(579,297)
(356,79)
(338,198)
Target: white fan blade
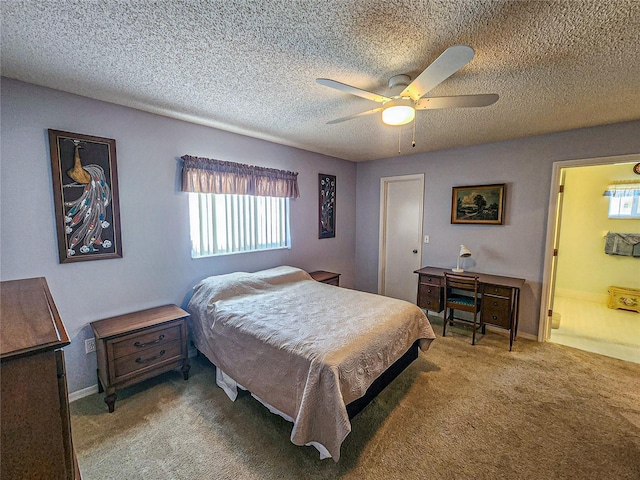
(352,90)
(458,101)
(449,62)
(356,115)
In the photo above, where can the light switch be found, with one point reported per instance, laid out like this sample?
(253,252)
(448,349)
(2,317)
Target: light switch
(426,239)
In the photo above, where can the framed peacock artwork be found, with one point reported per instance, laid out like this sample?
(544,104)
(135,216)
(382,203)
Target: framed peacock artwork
(85,193)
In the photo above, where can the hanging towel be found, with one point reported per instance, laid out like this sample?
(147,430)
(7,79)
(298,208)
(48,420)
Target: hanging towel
(627,244)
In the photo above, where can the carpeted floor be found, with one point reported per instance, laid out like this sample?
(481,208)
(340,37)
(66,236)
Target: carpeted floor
(543,411)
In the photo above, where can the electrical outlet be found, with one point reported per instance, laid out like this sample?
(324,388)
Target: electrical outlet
(90,345)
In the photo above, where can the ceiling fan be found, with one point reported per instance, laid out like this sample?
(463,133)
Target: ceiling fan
(401,107)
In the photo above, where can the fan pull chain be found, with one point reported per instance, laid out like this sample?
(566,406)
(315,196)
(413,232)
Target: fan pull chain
(413,138)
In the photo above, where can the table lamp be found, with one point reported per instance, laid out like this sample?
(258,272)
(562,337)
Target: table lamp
(464,252)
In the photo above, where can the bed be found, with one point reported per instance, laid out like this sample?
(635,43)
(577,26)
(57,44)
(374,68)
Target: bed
(308,351)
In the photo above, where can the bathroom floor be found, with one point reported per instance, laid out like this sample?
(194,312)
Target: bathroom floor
(596,328)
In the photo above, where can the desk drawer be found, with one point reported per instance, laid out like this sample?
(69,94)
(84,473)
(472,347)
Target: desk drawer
(430,280)
(497,290)
(496,311)
(139,341)
(430,297)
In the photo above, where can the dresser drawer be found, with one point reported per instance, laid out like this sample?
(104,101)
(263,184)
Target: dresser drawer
(147,358)
(137,342)
(430,297)
(497,290)
(496,311)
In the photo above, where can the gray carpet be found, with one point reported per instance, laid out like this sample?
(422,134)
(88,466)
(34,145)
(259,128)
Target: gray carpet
(459,411)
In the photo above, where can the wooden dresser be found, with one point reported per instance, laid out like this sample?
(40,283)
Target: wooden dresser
(35,423)
(140,345)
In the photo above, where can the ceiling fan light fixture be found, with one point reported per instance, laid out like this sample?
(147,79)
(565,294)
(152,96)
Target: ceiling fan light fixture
(398,111)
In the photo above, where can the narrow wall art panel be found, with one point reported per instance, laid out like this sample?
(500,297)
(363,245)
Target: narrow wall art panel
(85,192)
(327,204)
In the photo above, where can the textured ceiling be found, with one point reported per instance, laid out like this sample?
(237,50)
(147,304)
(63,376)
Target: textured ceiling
(250,66)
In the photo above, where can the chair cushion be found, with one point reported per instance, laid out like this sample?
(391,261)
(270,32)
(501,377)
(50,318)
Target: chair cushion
(461,300)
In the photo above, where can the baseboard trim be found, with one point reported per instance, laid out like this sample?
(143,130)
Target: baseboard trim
(582,296)
(85,392)
(505,333)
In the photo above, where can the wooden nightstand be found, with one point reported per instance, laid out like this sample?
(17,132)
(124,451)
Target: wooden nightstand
(330,278)
(139,345)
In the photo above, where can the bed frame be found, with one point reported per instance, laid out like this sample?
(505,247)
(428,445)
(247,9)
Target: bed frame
(383,380)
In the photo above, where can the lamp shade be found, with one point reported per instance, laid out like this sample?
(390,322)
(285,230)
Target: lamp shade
(464,252)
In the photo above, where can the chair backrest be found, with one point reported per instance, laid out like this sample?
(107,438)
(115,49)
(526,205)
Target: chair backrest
(461,282)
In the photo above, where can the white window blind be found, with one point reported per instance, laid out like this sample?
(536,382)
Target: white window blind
(227,223)
(624,199)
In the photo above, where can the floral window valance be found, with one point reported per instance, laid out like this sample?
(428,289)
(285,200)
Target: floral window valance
(206,175)
(623,188)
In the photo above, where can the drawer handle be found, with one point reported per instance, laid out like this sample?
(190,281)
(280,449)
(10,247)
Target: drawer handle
(494,317)
(141,345)
(495,304)
(150,359)
(429,291)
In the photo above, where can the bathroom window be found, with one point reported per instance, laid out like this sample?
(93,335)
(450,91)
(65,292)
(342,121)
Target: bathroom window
(624,199)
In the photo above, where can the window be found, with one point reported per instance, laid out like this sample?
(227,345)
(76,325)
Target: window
(624,200)
(227,223)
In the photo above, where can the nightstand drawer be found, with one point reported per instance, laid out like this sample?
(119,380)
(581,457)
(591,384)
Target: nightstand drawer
(333,281)
(136,342)
(147,358)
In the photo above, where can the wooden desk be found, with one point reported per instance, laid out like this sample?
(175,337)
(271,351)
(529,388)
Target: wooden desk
(500,297)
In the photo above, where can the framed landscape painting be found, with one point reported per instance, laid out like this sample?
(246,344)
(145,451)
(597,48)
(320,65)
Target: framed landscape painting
(478,204)
(85,193)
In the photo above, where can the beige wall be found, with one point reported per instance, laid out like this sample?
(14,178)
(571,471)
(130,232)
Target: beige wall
(582,264)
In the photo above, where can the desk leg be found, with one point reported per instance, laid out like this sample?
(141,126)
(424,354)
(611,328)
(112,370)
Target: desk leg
(513,331)
(511,338)
(516,312)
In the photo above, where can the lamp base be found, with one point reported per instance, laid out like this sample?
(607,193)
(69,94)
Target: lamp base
(457,270)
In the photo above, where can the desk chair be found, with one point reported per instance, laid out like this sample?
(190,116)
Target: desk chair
(468,301)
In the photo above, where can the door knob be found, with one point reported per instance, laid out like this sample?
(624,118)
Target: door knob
(415,250)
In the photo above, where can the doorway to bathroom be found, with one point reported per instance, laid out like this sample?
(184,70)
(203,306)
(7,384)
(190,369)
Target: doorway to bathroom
(578,270)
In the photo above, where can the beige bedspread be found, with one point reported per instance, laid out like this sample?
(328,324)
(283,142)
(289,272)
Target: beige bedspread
(304,347)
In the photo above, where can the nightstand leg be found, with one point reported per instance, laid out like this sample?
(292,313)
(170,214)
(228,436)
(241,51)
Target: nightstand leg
(110,399)
(185,371)
(100,389)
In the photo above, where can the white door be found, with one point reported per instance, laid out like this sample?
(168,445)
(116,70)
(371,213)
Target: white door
(401,211)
